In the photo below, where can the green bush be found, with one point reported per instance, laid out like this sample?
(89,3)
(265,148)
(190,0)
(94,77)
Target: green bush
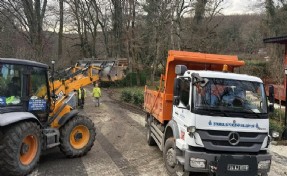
(277,114)
(276,126)
(133,95)
(127,96)
(129,81)
(255,68)
(138,98)
(274,121)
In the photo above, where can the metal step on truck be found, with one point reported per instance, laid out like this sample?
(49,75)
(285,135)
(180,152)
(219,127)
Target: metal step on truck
(207,119)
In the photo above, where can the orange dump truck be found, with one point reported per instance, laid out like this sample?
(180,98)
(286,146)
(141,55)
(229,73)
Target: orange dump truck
(207,119)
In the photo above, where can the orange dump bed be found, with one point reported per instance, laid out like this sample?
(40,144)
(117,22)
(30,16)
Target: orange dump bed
(159,103)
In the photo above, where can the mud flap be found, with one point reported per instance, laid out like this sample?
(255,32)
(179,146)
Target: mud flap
(237,166)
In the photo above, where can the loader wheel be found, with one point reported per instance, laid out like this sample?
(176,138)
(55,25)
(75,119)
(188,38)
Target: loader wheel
(20,148)
(77,136)
(150,139)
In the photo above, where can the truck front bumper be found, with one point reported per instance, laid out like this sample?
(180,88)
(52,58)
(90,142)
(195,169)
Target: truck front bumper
(215,162)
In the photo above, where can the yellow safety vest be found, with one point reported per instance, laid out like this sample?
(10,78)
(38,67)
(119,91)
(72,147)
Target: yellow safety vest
(80,93)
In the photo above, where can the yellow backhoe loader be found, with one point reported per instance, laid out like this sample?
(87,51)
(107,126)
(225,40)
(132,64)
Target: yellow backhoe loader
(38,113)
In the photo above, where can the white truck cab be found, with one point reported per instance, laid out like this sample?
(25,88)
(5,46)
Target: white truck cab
(222,122)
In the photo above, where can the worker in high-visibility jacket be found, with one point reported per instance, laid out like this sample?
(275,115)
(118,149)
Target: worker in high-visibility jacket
(82,94)
(97,94)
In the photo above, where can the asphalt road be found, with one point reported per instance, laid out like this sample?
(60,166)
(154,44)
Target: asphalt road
(120,147)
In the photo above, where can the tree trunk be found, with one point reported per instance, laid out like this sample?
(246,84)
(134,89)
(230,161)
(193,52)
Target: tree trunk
(60,39)
(117,26)
(155,62)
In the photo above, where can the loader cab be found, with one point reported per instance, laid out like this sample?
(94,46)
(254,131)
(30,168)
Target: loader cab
(24,87)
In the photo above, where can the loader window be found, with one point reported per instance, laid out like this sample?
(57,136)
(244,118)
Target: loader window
(38,87)
(38,91)
(11,83)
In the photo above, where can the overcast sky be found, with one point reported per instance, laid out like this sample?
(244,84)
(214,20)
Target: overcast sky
(240,6)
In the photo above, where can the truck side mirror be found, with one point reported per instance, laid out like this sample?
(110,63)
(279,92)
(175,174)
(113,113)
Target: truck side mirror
(271,108)
(180,69)
(271,97)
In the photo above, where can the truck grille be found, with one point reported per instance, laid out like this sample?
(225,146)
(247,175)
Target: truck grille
(220,141)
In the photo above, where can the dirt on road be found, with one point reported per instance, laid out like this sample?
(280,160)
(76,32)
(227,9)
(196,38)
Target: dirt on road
(120,147)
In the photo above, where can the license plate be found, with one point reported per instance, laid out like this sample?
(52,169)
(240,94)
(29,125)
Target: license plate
(235,167)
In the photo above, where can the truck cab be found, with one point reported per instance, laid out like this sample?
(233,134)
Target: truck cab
(206,118)
(222,118)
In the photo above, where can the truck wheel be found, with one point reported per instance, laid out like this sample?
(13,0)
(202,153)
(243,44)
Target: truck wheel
(150,140)
(20,148)
(77,136)
(169,156)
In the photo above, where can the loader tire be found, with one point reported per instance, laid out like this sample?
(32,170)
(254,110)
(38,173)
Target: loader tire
(20,148)
(77,136)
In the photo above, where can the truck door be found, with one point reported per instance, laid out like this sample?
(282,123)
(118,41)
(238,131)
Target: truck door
(181,112)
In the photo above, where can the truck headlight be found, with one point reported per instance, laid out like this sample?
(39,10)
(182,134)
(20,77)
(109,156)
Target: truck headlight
(275,134)
(197,163)
(264,164)
(191,129)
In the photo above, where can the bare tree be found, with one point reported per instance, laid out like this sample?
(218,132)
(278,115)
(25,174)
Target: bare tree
(179,9)
(27,17)
(117,16)
(203,25)
(158,32)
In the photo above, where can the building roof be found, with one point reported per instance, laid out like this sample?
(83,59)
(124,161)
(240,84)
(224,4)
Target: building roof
(280,40)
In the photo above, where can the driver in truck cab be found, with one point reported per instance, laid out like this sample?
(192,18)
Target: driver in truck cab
(216,93)
(220,94)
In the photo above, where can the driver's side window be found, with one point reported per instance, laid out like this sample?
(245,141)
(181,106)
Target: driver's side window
(184,92)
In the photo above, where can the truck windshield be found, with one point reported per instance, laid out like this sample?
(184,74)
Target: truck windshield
(231,95)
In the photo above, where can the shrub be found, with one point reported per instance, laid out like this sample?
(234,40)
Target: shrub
(129,81)
(276,126)
(274,121)
(138,98)
(277,114)
(127,96)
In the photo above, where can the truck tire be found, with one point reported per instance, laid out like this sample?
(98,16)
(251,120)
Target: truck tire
(150,140)
(169,157)
(20,148)
(77,136)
